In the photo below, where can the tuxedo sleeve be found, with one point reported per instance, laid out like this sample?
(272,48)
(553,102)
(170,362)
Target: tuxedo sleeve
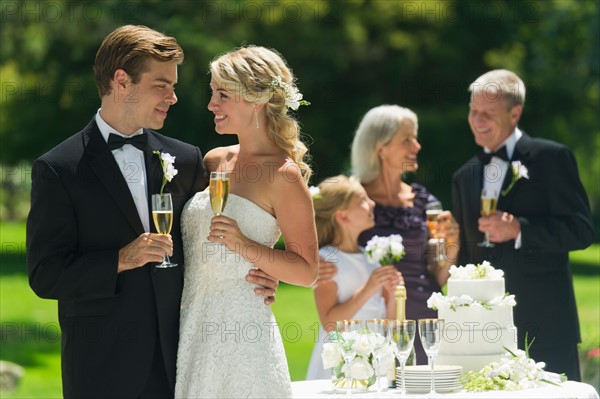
(56,267)
(568,224)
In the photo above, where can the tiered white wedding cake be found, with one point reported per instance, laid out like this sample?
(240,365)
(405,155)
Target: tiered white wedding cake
(478,317)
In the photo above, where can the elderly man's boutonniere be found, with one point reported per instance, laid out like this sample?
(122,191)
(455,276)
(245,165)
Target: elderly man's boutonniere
(167,161)
(518,170)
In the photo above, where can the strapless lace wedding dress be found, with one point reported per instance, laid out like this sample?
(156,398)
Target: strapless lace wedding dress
(229,344)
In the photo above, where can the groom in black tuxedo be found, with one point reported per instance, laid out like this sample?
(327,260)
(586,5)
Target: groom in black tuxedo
(543,213)
(91,243)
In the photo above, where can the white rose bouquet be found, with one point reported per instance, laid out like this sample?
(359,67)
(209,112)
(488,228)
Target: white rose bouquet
(385,250)
(362,372)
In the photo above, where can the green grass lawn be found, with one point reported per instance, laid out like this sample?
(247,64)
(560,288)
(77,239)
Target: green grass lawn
(29,333)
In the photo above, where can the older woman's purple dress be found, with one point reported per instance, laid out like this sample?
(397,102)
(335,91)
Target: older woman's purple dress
(411,224)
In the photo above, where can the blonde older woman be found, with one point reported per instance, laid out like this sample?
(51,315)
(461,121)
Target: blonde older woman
(385,146)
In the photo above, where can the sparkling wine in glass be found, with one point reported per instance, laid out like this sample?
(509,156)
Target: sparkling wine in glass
(403,335)
(218,191)
(430,332)
(345,330)
(489,201)
(379,333)
(432,211)
(162,215)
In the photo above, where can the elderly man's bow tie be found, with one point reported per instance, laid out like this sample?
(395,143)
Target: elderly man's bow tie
(139,141)
(485,158)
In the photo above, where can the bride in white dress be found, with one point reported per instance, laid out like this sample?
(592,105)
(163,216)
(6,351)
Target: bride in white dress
(230,345)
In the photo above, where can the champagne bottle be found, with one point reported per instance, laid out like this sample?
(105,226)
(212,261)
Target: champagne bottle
(400,296)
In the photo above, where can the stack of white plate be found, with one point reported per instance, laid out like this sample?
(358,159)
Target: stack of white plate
(418,378)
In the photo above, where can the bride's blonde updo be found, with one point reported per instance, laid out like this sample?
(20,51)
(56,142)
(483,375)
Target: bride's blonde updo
(261,76)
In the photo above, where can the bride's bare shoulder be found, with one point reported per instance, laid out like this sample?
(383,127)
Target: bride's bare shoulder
(218,158)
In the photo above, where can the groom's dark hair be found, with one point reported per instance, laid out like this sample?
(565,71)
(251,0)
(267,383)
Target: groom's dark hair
(129,48)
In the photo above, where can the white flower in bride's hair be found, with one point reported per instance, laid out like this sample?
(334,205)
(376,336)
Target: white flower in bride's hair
(167,161)
(518,171)
(293,97)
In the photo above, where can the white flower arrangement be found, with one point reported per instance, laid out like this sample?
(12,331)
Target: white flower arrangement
(361,369)
(385,250)
(518,171)
(515,371)
(167,161)
(437,301)
(482,271)
(293,97)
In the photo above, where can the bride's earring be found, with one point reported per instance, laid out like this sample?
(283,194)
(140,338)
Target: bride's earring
(256,117)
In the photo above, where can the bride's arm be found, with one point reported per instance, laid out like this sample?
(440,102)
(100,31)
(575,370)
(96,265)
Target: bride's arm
(299,263)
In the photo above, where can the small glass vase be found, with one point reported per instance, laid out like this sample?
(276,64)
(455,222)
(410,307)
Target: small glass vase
(339,383)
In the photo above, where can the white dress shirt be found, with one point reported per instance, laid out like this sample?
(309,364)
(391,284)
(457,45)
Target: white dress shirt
(495,172)
(132,165)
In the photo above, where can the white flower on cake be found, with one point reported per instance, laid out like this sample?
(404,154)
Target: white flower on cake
(475,272)
(437,301)
(385,250)
(513,372)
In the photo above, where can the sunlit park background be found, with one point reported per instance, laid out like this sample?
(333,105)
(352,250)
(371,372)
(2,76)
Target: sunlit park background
(348,56)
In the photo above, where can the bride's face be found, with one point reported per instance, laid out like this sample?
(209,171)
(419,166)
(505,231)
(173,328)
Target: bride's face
(232,114)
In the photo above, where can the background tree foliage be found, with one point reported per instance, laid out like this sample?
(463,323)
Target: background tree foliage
(349,56)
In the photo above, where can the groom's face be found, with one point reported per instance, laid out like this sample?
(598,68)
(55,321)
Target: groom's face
(147,102)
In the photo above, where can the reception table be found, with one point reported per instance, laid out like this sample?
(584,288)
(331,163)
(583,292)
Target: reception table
(570,389)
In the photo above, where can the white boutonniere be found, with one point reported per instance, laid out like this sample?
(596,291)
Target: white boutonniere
(518,171)
(167,162)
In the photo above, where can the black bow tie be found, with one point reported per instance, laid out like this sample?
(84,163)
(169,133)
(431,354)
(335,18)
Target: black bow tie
(485,158)
(139,141)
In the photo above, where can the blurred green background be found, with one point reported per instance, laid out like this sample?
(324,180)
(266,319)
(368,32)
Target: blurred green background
(348,56)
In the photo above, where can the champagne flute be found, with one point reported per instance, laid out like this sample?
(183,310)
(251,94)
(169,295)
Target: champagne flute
(489,201)
(378,330)
(432,211)
(218,191)
(430,332)
(403,334)
(346,331)
(162,215)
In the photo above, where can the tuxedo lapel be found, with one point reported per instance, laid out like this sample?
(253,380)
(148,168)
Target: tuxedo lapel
(154,172)
(104,166)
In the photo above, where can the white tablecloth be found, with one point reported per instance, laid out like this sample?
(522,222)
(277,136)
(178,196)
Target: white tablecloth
(568,390)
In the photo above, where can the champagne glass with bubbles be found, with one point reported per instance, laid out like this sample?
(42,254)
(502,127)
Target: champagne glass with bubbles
(403,335)
(430,332)
(489,200)
(219,191)
(162,215)
(432,211)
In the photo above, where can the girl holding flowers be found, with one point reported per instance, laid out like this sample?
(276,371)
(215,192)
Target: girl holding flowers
(360,290)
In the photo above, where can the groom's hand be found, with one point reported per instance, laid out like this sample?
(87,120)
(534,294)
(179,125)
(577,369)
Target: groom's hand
(268,284)
(148,247)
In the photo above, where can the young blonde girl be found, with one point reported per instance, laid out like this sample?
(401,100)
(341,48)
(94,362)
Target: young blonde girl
(360,290)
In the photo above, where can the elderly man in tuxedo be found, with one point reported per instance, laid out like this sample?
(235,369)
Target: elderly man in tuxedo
(543,213)
(90,242)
